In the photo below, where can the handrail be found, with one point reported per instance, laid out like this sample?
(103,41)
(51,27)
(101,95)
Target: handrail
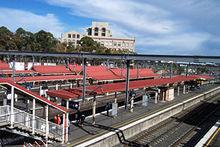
(25,120)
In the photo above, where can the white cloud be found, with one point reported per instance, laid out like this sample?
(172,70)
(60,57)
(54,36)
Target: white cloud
(13,19)
(153,24)
(191,41)
(140,17)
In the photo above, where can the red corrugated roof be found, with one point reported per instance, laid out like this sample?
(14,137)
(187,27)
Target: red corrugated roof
(51,70)
(104,73)
(10,72)
(34,95)
(46,78)
(4,66)
(118,87)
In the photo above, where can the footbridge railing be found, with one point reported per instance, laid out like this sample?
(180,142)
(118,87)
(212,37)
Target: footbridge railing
(24,121)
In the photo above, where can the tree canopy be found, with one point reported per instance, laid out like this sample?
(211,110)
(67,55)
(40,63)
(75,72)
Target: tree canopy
(43,41)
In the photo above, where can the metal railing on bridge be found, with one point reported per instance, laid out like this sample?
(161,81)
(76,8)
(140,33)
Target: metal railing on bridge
(23,121)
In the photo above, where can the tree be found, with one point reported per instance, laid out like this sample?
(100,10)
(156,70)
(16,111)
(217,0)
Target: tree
(24,40)
(45,41)
(6,39)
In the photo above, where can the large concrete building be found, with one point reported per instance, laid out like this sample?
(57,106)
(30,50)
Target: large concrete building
(101,32)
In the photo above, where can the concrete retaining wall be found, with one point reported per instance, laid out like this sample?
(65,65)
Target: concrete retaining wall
(111,138)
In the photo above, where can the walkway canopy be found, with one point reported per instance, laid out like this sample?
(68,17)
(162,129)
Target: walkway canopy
(9,83)
(120,87)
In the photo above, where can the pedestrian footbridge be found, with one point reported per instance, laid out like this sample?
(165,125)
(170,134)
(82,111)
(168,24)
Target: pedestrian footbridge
(24,121)
(16,120)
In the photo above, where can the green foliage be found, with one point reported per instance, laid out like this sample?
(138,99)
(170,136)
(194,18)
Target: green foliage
(43,41)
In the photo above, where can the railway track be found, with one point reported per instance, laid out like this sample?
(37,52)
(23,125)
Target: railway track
(178,130)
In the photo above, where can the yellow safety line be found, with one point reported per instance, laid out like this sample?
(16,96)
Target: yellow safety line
(212,137)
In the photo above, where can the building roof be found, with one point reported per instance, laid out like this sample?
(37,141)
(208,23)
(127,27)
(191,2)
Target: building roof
(10,72)
(51,70)
(120,87)
(104,73)
(46,78)
(4,66)
(32,94)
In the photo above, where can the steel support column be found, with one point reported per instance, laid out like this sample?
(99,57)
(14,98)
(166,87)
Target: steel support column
(187,69)
(171,69)
(84,78)
(127,83)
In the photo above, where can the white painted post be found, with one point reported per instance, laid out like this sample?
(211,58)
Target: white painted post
(178,90)
(94,110)
(33,120)
(57,86)
(156,95)
(63,135)
(40,91)
(4,101)
(67,120)
(163,95)
(12,106)
(47,122)
(132,104)
(184,89)
(144,100)
(71,85)
(115,108)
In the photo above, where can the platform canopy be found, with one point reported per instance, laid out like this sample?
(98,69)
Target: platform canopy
(46,78)
(103,73)
(120,86)
(51,70)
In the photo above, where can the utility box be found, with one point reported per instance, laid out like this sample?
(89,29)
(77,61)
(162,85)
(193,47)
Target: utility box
(170,94)
(114,109)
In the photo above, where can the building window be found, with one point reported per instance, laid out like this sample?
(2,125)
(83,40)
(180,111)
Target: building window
(119,44)
(89,30)
(115,43)
(69,35)
(103,31)
(77,42)
(78,36)
(96,33)
(74,35)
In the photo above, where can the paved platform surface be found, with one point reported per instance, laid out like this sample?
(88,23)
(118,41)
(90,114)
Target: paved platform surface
(105,123)
(216,140)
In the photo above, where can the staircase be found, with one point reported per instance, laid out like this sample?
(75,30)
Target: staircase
(23,122)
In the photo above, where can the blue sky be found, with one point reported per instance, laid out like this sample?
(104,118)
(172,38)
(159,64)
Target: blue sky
(160,27)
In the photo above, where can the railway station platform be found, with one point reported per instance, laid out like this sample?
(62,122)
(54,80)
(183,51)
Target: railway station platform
(79,136)
(211,138)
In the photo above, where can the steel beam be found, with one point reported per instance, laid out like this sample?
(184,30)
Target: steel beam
(139,57)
